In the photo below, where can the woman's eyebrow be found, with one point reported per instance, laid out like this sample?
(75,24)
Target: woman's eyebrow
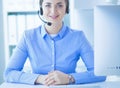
(48,3)
(56,3)
(59,3)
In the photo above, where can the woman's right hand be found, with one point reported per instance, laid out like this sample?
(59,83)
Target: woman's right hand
(41,79)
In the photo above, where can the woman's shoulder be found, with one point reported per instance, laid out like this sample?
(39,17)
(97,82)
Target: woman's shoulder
(32,33)
(32,30)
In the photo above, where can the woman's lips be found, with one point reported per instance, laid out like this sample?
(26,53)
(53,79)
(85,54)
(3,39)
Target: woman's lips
(54,17)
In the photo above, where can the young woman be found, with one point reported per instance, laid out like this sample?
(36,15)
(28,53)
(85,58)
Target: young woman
(53,51)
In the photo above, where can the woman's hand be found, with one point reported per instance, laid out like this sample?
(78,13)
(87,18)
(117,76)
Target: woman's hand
(57,78)
(41,79)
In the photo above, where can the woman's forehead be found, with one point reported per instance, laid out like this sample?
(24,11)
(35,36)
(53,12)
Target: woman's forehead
(53,1)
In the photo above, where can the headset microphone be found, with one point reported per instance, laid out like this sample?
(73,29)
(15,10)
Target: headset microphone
(48,23)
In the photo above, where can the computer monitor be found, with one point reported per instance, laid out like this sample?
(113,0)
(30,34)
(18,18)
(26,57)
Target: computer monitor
(107,40)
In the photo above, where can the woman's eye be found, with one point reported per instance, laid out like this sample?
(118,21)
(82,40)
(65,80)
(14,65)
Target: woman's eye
(47,5)
(60,6)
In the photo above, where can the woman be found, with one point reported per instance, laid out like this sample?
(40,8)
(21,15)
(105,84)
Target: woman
(53,51)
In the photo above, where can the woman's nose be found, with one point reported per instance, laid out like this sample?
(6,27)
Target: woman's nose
(53,10)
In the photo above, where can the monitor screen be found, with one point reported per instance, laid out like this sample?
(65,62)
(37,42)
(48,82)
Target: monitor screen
(107,40)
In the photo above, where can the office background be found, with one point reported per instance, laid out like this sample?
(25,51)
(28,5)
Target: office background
(19,15)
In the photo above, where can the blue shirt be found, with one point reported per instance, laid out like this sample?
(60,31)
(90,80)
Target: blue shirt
(46,54)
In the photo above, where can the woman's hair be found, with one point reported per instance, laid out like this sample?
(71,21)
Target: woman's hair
(66,1)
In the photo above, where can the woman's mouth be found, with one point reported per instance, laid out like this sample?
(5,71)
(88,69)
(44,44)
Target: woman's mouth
(54,17)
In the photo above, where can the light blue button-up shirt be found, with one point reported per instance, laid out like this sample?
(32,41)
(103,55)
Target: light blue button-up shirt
(46,54)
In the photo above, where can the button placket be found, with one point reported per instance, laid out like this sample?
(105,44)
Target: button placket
(53,55)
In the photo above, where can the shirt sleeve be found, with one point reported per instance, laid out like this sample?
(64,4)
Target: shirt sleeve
(13,72)
(87,77)
(87,56)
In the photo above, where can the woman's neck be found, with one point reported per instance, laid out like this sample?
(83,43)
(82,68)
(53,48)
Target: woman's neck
(54,28)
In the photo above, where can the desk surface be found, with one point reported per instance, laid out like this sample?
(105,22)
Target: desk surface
(93,85)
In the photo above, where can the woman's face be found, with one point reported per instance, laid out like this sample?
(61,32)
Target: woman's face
(54,10)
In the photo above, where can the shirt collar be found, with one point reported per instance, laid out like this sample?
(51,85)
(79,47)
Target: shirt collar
(61,32)
(43,31)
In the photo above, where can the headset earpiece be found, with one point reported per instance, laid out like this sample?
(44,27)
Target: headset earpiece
(41,11)
(67,7)
(67,10)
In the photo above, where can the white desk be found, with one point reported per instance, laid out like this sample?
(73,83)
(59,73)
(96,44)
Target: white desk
(93,85)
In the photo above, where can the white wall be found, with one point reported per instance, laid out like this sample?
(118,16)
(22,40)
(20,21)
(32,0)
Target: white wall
(88,4)
(2,52)
(81,16)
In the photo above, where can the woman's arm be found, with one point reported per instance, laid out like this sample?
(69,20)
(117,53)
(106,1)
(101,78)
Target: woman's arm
(87,56)
(87,77)
(13,72)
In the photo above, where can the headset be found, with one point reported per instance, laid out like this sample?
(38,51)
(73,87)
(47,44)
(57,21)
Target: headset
(67,7)
(46,22)
(40,12)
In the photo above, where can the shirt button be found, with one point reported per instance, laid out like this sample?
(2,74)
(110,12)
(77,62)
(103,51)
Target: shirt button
(52,42)
(52,53)
(52,65)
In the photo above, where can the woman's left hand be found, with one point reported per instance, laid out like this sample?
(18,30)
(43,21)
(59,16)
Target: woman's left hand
(56,78)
